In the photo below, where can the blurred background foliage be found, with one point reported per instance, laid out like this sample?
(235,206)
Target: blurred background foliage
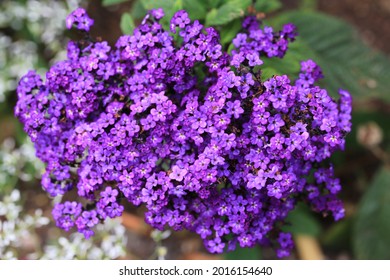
(352,50)
(32,35)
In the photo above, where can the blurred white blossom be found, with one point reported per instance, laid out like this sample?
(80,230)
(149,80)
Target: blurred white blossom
(16,227)
(108,243)
(35,32)
(44,22)
(20,163)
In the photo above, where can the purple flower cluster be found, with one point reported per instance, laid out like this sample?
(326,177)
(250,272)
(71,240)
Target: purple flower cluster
(186,129)
(80,19)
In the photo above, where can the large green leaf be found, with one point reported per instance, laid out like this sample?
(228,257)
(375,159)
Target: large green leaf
(127,23)
(196,9)
(112,2)
(215,3)
(338,236)
(290,64)
(244,254)
(153,4)
(229,31)
(302,221)
(229,11)
(346,61)
(267,6)
(138,10)
(371,239)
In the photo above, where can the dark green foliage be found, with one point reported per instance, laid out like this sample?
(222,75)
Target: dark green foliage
(302,221)
(229,11)
(112,2)
(244,254)
(346,61)
(371,238)
(127,23)
(267,6)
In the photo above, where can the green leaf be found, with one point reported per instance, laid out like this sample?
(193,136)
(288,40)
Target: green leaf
(229,31)
(371,239)
(302,221)
(112,2)
(244,254)
(230,48)
(229,11)
(196,9)
(127,24)
(338,236)
(267,6)
(345,60)
(268,72)
(308,5)
(211,16)
(138,11)
(290,64)
(215,3)
(153,4)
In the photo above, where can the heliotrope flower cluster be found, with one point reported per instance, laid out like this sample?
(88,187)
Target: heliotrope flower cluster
(186,129)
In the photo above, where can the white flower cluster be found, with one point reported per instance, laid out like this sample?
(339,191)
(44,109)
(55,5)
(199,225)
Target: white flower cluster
(108,243)
(36,23)
(16,229)
(18,163)
(26,26)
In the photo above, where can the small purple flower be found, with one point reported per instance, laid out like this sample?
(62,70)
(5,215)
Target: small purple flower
(237,59)
(275,190)
(274,123)
(180,19)
(72,208)
(257,182)
(327,124)
(240,40)
(87,219)
(277,141)
(215,245)
(80,18)
(177,173)
(282,253)
(157,13)
(158,113)
(333,186)
(245,240)
(332,138)
(109,195)
(235,108)
(253,59)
